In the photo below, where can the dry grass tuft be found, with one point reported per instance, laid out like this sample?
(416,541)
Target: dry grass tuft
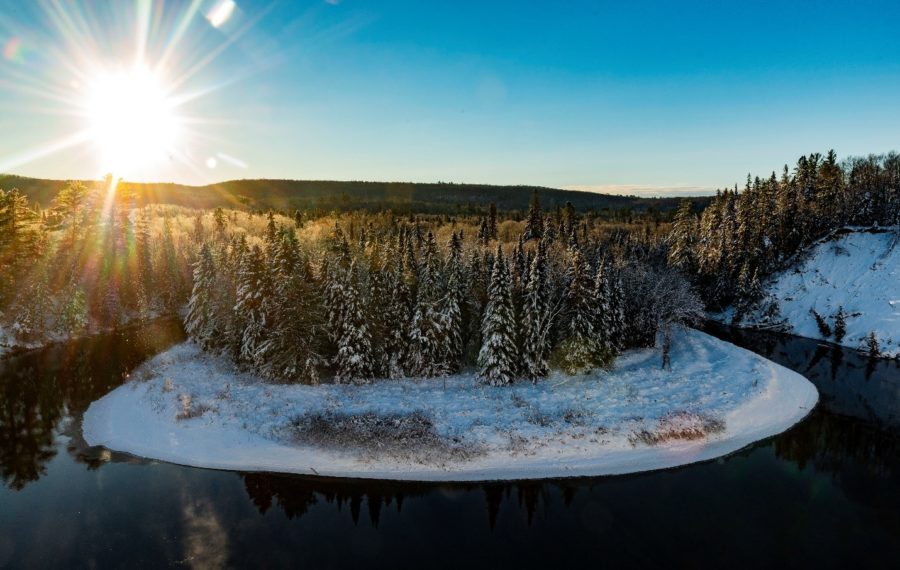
(406,437)
(678,426)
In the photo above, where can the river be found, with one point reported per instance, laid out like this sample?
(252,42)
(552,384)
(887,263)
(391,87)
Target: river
(825,494)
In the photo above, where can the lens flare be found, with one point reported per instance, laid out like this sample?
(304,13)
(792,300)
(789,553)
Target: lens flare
(13,50)
(220,13)
(131,120)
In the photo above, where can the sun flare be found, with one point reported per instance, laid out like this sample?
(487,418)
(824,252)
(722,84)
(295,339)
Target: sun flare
(131,120)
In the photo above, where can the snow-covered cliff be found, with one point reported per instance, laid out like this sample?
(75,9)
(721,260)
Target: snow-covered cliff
(856,271)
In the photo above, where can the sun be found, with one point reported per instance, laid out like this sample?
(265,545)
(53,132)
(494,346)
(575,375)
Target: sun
(131,121)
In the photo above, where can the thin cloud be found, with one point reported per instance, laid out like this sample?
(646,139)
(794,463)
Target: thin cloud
(646,190)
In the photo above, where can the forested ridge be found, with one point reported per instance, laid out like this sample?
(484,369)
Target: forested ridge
(324,196)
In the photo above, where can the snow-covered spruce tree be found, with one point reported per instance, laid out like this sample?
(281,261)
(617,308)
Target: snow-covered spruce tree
(748,290)
(476,300)
(681,239)
(376,291)
(604,317)
(171,285)
(200,321)
(840,325)
(579,352)
(427,334)
(398,319)
(253,288)
(290,350)
(452,310)
(497,360)
(534,225)
(232,261)
(354,360)
(336,266)
(537,318)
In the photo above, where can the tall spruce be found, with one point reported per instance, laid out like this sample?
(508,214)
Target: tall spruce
(354,360)
(537,318)
(200,322)
(534,225)
(497,360)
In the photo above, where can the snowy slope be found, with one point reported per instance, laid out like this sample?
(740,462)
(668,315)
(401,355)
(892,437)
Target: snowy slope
(562,426)
(858,270)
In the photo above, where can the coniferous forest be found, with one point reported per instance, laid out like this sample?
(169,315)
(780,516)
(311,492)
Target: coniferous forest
(297,296)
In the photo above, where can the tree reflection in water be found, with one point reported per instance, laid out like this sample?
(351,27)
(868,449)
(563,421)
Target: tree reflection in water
(44,393)
(828,489)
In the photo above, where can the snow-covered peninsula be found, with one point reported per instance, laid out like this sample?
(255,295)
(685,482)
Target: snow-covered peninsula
(186,407)
(854,272)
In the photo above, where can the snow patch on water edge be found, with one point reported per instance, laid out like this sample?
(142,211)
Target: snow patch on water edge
(188,408)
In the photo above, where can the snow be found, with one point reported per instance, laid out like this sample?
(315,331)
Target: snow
(859,270)
(560,427)
(10,343)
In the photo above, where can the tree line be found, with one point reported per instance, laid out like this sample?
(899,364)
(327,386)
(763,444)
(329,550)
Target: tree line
(742,237)
(388,300)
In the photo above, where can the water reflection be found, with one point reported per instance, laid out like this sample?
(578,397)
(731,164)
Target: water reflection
(44,393)
(849,383)
(825,494)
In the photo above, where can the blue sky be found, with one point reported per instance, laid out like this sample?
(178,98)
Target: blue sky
(643,97)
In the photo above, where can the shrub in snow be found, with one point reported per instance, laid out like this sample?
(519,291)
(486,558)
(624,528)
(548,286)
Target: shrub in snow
(840,325)
(189,408)
(824,329)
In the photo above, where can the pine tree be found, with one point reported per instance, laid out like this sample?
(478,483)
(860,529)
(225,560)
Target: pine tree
(578,352)
(840,325)
(604,316)
(271,228)
(426,332)
(377,289)
(398,319)
(453,312)
(200,322)
(497,358)
(291,347)
(484,232)
(492,221)
(537,318)
(534,226)
(19,241)
(681,250)
(872,348)
(252,289)
(354,360)
(171,278)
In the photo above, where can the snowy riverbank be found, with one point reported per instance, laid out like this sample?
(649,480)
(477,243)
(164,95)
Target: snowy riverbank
(189,408)
(856,270)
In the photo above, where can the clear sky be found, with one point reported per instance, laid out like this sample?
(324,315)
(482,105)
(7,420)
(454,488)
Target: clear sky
(643,97)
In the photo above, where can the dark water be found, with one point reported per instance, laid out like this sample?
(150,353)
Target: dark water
(826,494)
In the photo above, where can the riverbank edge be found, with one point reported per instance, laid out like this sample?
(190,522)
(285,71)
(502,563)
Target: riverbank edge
(786,400)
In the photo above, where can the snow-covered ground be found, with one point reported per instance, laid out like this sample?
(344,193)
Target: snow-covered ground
(10,343)
(859,271)
(186,407)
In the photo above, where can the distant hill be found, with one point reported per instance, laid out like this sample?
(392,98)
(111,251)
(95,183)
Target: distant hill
(342,196)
